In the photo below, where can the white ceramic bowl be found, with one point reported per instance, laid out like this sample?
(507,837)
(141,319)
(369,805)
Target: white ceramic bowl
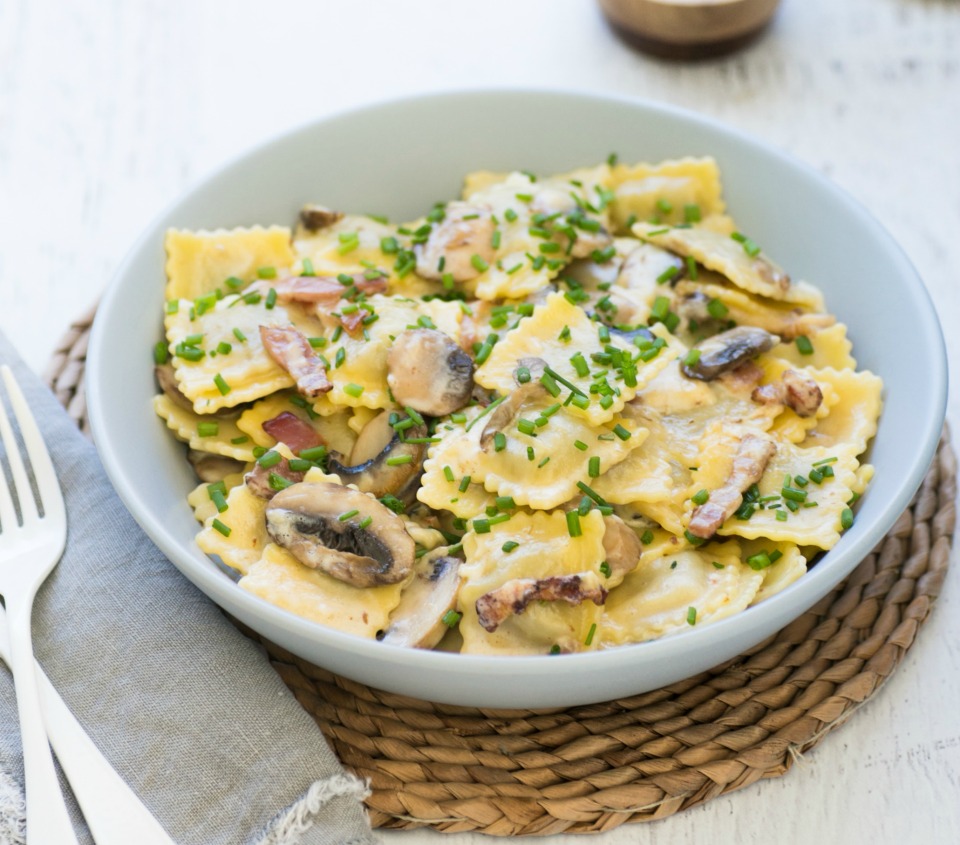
(397,159)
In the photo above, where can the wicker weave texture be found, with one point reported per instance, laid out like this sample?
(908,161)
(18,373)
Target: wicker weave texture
(590,769)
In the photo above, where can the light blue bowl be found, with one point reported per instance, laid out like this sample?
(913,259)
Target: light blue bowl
(397,159)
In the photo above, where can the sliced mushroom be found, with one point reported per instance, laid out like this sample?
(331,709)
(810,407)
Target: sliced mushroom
(377,461)
(466,231)
(211,468)
(291,351)
(646,265)
(513,597)
(621,546)
(313,218)
(417,622)
(534,366)
(342,532)
(796,390)
(501,416)
(751,459)
(630,335)
(428,372)
(728,350)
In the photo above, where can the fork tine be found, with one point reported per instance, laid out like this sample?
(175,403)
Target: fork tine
(47,484)
(8,516)
(28,507)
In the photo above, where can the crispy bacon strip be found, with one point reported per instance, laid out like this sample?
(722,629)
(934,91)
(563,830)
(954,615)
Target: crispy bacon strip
(753,455)
(258,479)
(795,390)
(292,351)
(290,429)
(514,596)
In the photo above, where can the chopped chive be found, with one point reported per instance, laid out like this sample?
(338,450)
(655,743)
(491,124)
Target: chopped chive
(605,569)
(479,264)
(399,460)
(593,467)
(544,462)
(160,353)
(208,429)
(267,272)
(717,565)
(823,461)
(365,522)
(348,515)
(451,618)
(580,445)
(621,432)
(664,205)
(458,418)
(660,309)
(589,491)
(223,529)
(566,383)
(339,358)
(691,616)
(692,358)
(354,390)
(531,454)
(234,283)
(221,384)
(526,426)
(781,516)
(308,268)
(505,503)
(271,299)
(224,348)
(716,309)
(647,537)
(691,263)
(694,539)
(580,364)
(218,499)
(299,464)
(173,306)
(448,474)
(464,484)
(238,440)
(804,345)
(269,459)
(590,633)
(523,375)
(550,384)
(278,482)
(573,524)
(759,561)
(667,274)
(700,497)
(691,213)
(510,545)
(846,518)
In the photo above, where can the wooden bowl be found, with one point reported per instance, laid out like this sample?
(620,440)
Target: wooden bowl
(684,29)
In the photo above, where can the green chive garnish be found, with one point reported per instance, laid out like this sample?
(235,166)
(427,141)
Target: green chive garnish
(691,616)
(647,537)
(593,467)
(700,497)
(208,429)
(804,345)
(348,515)
(399,460)
(221,384)
(223,529)
(451,618)
(621,432)
(479,264)
(267,272)
(510,545)
(160,353)
(716,309)
(573,524)
(269,459)
(499,441)
(846,518)
(354,390)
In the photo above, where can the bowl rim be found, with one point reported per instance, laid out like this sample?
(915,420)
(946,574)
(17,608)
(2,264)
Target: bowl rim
(200,569)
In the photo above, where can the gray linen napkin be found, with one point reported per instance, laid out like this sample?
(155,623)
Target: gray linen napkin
(185,708)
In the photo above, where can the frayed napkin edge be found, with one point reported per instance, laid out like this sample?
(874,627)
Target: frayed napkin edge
(290,824)
(13,811)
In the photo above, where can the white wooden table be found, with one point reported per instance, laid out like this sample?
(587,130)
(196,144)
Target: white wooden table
(108,109)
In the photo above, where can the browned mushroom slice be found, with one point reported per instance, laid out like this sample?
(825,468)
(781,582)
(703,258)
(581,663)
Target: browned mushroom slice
(513,597)
(325,290)
(378,462)
(648,266)
(501,416)
(418,621)
(621,546)
(796,390)
(751,459)
(428,372)
(457,244)
(727,351)
(313,218)
(211,468)
(292,351)
(342,532)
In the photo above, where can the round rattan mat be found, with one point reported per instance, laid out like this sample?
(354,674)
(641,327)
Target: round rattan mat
(593,768)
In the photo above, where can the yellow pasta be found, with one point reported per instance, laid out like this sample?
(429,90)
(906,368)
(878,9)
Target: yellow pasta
(565,412)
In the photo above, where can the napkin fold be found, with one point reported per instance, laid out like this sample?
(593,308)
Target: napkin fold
(185,708)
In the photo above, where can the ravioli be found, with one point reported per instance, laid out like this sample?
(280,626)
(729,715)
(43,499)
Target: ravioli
(555,436)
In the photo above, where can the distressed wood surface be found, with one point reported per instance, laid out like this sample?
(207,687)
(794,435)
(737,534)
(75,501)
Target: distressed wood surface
(108,110)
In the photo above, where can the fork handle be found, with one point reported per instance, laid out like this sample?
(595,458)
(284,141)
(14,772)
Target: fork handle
(113,812)
(48,822)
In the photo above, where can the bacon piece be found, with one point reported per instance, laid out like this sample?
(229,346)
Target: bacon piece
(796,390)
(292,351)
(515,595)
(258,479)
(753,455)
(325,289)
(290,429)
(353,322)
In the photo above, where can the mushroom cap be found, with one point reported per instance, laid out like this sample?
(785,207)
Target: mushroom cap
(728,350)
(368,468)
(466,231)
(428,372)
(310,521)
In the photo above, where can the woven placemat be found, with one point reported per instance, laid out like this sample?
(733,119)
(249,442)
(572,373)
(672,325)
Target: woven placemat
(592,768)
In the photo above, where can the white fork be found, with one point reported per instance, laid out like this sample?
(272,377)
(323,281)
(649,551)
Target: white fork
(28,552)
